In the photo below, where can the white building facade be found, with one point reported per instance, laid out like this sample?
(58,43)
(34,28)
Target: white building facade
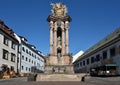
(17,54)
(31,60)
(8,47)
(104,57)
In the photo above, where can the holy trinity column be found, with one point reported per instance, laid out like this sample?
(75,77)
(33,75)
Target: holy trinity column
(59,35)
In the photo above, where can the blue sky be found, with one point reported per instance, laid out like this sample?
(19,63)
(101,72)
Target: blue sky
(92,20)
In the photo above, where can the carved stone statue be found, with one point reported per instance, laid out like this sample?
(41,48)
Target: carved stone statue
(59,10)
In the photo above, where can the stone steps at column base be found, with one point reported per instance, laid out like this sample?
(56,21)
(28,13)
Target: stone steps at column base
(59,77)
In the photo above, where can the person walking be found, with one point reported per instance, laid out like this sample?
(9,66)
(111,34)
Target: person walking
(0,69)
(35,77)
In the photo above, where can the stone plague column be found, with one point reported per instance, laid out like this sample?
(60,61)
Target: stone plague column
(59,60)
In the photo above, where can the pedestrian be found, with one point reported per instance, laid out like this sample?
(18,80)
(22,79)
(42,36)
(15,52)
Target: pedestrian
(35,77)
(0,69)
(8,70)
(83,79)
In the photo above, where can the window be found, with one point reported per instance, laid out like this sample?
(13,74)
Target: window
(29,60)
(37,64)
(5,54)
(42,60)
(29,69)
(22,67)
(83,63)
(30,52)
(23,49)
(22,57)
(104,55)
(77,64)
(38,58)
(112,52)
(26,58)
(18,59)
(92,59)
(32,55)
(27,51)
(13,57)
(87,61)
(6,40)
(13,45)
(26,68)
(98,57)
(80,63)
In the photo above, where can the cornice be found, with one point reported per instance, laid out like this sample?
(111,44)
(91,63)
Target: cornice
(54,19)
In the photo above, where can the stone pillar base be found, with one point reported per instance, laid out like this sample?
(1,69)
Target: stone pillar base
(59,69)
(59,60)
(59,64)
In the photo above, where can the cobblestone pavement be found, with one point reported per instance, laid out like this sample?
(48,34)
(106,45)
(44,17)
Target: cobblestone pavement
(103,80)
(88,81)
(45,83)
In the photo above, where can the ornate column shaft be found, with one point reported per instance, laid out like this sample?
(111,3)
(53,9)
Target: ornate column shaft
(67,38)
(67,51)
(55,38)
(63,39)
(51,37)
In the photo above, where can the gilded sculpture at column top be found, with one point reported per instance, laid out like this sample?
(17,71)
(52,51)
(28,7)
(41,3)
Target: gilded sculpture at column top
(58,10)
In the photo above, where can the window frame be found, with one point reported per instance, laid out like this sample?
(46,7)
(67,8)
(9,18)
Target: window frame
(23,49)
(83,62)
(104,55)
(112,51)
(22,67)
(88,61)
(23,57)
(97,57)
(13,56)
(26,59)
(5,54)
(13,46)
(27,51)
(92,59)
(6,41)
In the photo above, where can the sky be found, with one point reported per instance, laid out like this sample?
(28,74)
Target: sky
(92,20)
